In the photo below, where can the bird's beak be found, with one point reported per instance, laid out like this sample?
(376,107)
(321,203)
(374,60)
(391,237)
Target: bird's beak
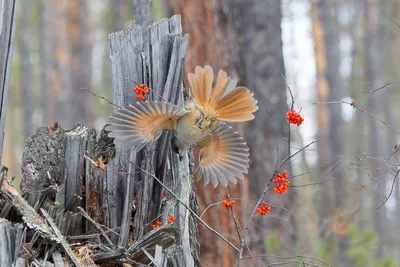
(180,157)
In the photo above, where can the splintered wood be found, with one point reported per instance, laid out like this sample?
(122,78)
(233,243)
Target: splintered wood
(83,201)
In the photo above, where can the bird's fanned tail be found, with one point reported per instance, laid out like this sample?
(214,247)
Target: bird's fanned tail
(234,106)
(223,157)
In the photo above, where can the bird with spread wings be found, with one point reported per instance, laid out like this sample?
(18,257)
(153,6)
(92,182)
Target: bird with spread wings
(224,154)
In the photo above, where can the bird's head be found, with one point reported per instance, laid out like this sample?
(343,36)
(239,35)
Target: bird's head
(206,119)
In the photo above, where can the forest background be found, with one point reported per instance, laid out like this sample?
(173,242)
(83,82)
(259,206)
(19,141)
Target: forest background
(343,205)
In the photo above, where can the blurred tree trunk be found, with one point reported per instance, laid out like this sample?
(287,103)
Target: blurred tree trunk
(46,49)
(25,42)
(255,45)
(61,71)
(330,123)
(117,18)
(205,23)
(55,66)
(66,61)
(373,67)
(389,12)
(80,50)
(318,12)
(393,110)
(142,12)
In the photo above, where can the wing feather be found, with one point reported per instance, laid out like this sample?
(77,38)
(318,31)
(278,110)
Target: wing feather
(223,157)
(143,122)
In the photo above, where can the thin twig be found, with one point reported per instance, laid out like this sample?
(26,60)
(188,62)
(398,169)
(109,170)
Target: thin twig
(150,89)
(84,214)
(291,108)
(292,261)
(267,187)
(102,97)
(187,207)
(391,189)
(386,85)
(289,257)
(236,222)
(354,105)
(150,257)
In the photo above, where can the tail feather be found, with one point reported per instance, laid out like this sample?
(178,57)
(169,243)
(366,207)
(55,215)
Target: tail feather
(234,106)
(208,82)
(200,85)
(237,106)
(220,88)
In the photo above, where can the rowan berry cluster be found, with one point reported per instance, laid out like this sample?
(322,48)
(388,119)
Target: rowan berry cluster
(281,183)
(228,204)
(263,209)
(156,225)
(141,90)
(294,118)
(171,219)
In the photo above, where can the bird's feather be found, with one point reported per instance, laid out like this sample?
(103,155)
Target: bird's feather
(223,157)
(237,105)
(143,122)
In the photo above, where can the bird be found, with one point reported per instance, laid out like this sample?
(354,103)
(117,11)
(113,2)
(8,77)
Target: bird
(202,121)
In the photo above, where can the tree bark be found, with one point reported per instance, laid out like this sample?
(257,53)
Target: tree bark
(7,236)
(255,45)
(26,68)
(7,28)
(205,22)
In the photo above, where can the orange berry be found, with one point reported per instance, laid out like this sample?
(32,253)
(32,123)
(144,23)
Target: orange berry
(281,184)
(156,225)
(171,219)
(140,97)
(263,209)
(294,118)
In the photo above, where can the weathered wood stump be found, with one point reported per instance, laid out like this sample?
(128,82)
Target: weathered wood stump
(84,201)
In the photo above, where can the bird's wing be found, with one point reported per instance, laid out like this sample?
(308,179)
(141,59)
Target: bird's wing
(143,122)
(237,105)
(224,156)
